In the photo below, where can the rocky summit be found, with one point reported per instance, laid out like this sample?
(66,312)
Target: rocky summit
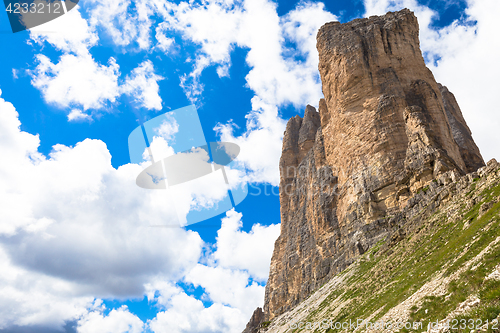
(353,171)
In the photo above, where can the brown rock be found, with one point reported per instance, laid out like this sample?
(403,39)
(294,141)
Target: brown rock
(381,98)
(255,321)
(461,132)
(307,133)
(303,253)
(385,130)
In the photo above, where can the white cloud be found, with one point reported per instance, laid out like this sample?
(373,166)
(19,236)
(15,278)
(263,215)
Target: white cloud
(186,314)
(77,80)
(168,128)
(78,115)
(260,144)
(213,25)
(164,43)
(276,76)
(29,298)
(463,56)
(125,21)
(201,193)
(225,281)
(235,291)
(73,228)
(142,84)
(159,148)
(250,251)
(116,321)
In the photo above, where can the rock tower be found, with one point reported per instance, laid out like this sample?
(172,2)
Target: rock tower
(383,132)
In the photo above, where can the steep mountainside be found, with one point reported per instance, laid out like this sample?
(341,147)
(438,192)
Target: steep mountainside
(351,173)
(442,265)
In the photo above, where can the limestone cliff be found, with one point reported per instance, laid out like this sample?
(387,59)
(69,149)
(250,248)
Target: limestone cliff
(441,268)
(384,131)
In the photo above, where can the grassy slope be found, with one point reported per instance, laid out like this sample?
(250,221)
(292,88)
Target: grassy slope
(435,264)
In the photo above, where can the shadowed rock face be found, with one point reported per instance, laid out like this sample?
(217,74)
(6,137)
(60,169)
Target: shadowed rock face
(461,132)
(254,323)
(384,131)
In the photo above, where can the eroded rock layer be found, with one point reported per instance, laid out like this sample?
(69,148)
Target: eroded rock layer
(384,131)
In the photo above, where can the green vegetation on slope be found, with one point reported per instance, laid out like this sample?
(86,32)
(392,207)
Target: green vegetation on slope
(438,250)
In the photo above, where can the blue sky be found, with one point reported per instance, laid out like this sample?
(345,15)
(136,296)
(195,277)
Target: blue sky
(77,252)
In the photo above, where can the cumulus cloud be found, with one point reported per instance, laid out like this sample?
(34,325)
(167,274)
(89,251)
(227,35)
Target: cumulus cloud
(77,80)
(168,128)
(73,228)
(198,194)
(78,115)
(235,291)
(245,251)
(126,22)
(142,84)
(212,25)
(277,77)
(186,314)
(239,258)
(29,298)
(117,321)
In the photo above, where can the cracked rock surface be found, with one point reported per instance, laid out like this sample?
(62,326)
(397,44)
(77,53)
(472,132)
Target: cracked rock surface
(385,132)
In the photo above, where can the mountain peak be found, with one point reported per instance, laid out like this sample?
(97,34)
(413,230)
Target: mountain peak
(385,131)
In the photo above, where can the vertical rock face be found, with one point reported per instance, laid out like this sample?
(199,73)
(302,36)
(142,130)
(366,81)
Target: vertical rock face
(461,132)
(254,323)
(385,130)
(309,227)
(389,130)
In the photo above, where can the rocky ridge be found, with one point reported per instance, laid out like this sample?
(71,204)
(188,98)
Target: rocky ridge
(351,173)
